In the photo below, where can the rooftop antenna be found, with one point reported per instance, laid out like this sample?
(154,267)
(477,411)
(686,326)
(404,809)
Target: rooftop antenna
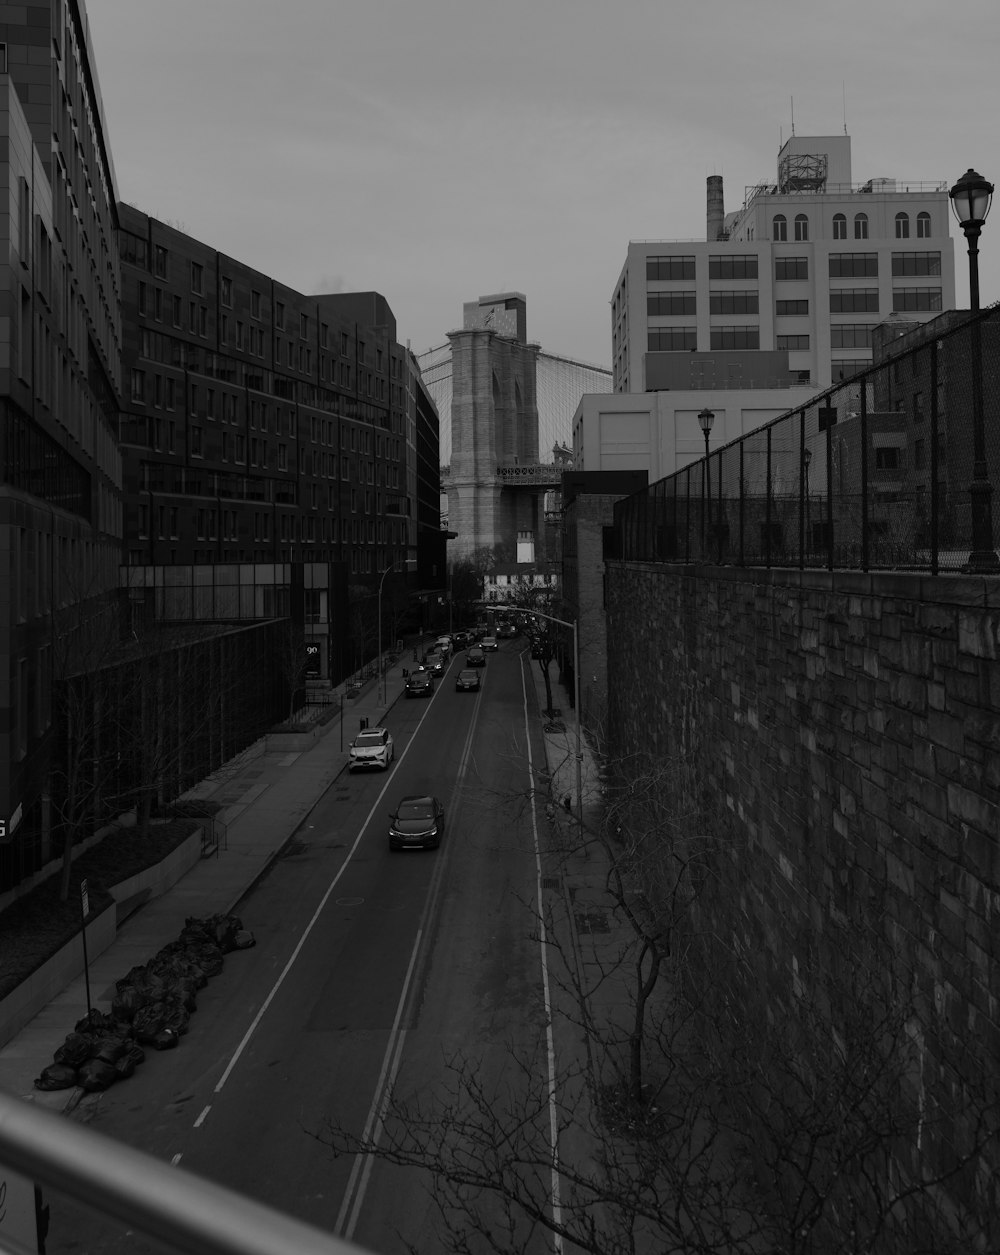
(844,88)
(792,99)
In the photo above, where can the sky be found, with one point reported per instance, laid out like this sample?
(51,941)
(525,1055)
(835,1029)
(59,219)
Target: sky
(440,150)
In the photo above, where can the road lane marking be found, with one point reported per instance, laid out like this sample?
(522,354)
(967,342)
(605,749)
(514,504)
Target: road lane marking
(201,1119)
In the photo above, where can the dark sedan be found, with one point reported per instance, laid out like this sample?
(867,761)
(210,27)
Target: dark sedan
(474,657)
(419,684)
(468,681)
(416,821)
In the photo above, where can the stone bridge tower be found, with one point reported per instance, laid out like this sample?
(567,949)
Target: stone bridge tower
(495,495)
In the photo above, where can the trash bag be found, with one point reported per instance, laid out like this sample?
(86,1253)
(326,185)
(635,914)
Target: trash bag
(177,1019)
(56,1076)
(94,1022)
(166,1039)
(127,1002)
(245,939)
(124,1067)
(109,1049)
(75,1049)
(135,1053)
(96,1074)
(149,1020)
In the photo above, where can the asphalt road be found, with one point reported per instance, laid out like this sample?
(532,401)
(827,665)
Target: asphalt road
(371,968)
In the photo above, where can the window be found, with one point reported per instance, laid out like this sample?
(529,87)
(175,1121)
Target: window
(918,407)
(736,302)
(839,227)
(735,338)
(197,278)
(791,268)
(138,391)
(779,228)
(918,454)
(861,226)
(854,301)
(176,311)
(788,308)
(226,292)
(668,268)
(667,303)
(848,366)
(672,339)
(801,227)
(916,263)
(160,262)
(902,226)
(888,458)
(254,304)
(923,225)
(851,335)
(909,299)
(735,267)
(304,326)
(196,445)
(853,265)
(793,342)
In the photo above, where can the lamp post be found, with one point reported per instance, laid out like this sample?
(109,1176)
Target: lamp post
(806,459)
(381,669)
(971,198)
(576,702)
(706,418)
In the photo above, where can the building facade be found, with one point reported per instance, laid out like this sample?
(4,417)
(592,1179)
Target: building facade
(60,343)
(806,268)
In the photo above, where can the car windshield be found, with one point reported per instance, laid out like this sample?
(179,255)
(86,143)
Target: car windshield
(369,740)
(468,675)
(421,808)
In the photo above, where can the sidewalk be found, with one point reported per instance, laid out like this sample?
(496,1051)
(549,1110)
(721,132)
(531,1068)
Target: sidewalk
(266,795)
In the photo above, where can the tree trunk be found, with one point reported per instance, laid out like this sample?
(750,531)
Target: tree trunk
(644,987)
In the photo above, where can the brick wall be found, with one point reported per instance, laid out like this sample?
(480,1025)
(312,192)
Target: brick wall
(842,740)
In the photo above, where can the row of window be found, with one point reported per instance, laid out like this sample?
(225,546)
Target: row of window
(845,335)
(842,301)
(841,266)
(800,226)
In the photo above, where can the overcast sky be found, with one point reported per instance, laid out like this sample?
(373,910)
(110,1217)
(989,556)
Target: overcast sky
(439,150)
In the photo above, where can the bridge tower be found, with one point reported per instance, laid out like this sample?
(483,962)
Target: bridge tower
(494,493)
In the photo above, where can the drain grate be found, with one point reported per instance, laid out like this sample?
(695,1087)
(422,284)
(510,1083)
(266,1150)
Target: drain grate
(592,922)
(550,882)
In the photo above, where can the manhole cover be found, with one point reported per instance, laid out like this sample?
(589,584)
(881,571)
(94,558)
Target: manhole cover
(592,922)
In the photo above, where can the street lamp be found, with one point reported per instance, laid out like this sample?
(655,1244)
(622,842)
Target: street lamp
(971,198)
(576,702)
(706,418)
(381,669)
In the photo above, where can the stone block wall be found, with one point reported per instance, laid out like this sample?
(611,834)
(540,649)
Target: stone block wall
(841,735)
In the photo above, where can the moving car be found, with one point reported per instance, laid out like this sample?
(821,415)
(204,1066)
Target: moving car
(416,821)
(468,680)
(443,645)
(419,684)
(489,642)
(371,749)
(461,639)
(474,657)
(507,629)
(434,661)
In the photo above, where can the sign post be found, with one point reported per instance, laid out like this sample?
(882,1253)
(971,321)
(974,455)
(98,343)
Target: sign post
(84,912)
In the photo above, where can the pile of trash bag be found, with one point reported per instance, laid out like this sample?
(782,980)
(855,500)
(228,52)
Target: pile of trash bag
(152,1006)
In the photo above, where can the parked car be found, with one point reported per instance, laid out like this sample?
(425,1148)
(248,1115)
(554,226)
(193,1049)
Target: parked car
(489,643)
(474,657)
(434,661)
(468,680)
(416,821)
(419,684)
(371,749)
(461,639)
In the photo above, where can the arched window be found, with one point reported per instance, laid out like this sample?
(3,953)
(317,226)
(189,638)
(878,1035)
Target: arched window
(780,227)
(923,225)
(839,227)
(801,227)
(861,226)
(902,226)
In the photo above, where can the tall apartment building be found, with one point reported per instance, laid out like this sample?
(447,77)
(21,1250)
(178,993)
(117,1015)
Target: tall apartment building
(266,437)
(60,340)
(803,272)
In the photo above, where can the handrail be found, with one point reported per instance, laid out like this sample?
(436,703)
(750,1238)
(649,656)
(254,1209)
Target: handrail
(182,1212)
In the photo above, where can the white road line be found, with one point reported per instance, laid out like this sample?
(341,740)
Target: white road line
(361,1170)
(556,1197)
(201,1119)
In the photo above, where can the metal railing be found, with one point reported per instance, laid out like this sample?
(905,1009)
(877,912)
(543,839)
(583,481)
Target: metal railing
(873,474)
(179,1211)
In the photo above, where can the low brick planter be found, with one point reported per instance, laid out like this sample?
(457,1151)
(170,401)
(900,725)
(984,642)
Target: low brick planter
(23,1003)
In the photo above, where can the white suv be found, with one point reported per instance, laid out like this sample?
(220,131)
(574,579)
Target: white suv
(371,749)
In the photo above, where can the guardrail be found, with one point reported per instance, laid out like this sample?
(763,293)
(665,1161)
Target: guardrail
(181,1212)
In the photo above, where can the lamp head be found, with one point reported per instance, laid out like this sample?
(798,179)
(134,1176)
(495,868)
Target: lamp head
(971,198)
(705,420)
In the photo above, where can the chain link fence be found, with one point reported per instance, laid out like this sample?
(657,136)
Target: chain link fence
(892,469)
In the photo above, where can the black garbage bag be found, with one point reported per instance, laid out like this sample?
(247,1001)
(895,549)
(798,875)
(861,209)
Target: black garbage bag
(56,1076)
(95,1022)
(177,1019)
(75,1049)
(124,1067)
(245,939)
(134,976)
(96,1074)
(135,1053)
(127,1002)
(109,1049)
(166,1039)
(149,1020)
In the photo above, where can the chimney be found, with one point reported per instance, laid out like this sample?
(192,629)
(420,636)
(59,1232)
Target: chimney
(716,208)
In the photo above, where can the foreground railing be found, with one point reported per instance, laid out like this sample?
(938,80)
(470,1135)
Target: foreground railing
(179,1211)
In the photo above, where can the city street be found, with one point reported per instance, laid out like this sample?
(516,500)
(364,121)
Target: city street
(370,967)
